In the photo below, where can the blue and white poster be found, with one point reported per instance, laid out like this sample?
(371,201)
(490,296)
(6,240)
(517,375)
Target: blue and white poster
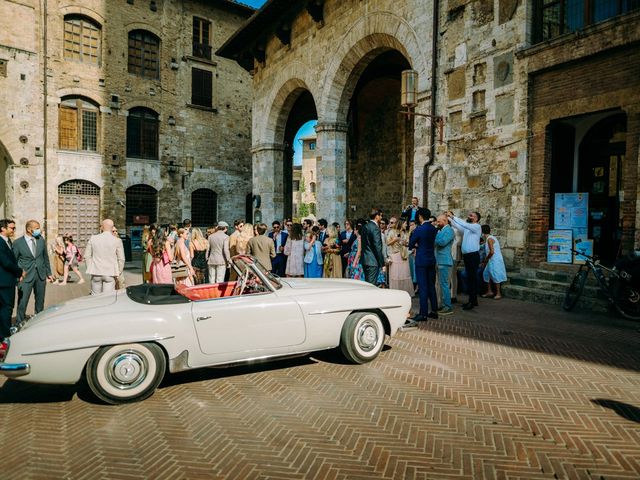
(572,210)
(559,246)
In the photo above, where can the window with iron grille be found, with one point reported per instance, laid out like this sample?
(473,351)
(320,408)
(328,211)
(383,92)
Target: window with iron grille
(81,39)
(78,187)
(557,17)
(78,125)
(204,207)
(142,133)
(201,87)
(201,38)
(142,205)
(144,54)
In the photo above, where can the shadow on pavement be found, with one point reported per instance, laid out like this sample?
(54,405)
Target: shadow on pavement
(14,391)
(626,411)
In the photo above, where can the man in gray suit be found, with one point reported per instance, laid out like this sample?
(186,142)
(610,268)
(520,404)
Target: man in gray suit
(105,259)
(31,254)
(372,257)
(219,255)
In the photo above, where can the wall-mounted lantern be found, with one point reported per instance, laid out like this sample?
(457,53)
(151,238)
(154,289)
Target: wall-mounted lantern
(409,100)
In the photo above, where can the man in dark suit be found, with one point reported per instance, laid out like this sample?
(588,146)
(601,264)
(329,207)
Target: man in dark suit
(9,275)
(31,254)
(372,258)
(279,238)
(423,240)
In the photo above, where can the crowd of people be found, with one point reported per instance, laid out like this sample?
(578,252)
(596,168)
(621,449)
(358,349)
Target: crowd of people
(415,252)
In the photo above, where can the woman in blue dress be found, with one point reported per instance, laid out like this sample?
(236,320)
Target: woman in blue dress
(494,270)
(313,263)
(354,267)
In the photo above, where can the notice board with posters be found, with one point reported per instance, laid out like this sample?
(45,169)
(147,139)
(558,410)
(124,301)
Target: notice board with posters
(572,213)
(559,246)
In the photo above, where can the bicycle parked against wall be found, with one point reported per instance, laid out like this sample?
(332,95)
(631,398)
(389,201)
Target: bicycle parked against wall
(618,285)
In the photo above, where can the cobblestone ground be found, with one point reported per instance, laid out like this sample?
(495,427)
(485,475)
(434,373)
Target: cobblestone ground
(509,390)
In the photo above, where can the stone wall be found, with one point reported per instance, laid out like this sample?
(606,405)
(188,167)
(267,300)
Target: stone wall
(217,139)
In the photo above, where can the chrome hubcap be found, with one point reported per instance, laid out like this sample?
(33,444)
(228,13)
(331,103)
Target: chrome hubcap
(368,335)
(127,370)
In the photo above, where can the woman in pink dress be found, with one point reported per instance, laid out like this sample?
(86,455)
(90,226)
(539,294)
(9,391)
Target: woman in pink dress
(162,258)
(294,250)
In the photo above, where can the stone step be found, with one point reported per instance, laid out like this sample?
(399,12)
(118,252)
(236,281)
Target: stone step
(553,297)
(590,290)
(553,275)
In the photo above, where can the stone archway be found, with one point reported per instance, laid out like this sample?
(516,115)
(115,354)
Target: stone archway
(291,107)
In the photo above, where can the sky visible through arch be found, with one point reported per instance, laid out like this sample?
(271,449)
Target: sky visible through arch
(307,128)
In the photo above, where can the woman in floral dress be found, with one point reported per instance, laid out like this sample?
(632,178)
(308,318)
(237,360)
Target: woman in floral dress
(354,267)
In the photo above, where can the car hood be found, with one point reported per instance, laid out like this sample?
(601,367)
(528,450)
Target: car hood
(76,305)
(326,283)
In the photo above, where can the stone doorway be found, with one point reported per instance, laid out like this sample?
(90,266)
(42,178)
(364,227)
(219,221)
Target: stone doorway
(380,139)
(588,155)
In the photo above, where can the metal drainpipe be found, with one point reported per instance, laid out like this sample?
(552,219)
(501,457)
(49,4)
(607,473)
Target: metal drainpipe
(434,89)
(45,119)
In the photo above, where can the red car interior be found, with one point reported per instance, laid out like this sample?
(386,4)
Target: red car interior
(207,291)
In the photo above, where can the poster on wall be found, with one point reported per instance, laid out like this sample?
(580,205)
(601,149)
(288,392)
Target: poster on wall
(559,246)
(585,247)
(572,210)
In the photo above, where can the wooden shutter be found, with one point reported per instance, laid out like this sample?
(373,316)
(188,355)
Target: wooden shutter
(68,128)
(201,87)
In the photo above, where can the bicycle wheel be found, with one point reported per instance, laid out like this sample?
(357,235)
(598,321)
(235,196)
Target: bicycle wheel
(575,290)
(626,299)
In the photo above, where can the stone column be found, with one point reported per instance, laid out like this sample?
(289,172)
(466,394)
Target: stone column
(268,170)
(332,171)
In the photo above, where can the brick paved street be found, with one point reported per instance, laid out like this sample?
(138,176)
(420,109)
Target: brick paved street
(510,390)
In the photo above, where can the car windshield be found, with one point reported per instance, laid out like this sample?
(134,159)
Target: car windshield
(242,263)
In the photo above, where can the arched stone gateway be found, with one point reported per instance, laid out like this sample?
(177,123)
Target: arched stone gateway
(365,148)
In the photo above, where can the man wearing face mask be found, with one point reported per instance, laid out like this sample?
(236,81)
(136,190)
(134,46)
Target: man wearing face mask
(31,254)
(471,233)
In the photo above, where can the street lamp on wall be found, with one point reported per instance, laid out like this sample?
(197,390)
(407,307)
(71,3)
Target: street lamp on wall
(409,100)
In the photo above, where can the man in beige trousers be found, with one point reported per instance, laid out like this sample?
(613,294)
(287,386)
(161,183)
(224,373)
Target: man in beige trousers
(105,259)
(219,256)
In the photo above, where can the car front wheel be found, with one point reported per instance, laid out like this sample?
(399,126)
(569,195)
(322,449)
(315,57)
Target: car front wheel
(362,337)
(125,373)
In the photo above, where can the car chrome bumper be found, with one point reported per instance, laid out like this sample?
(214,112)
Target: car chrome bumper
(13,370)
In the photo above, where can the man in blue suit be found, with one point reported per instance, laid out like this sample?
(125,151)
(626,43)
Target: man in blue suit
(279,238)
(10,272)
(423,240)
(444,259)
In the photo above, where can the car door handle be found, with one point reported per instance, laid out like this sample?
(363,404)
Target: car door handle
(204,318)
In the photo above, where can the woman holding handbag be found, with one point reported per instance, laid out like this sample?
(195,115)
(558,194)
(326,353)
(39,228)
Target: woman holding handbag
(183,276)
(162,258)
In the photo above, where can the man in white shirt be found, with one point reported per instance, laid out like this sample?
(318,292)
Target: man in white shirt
(471,233)
(105,259)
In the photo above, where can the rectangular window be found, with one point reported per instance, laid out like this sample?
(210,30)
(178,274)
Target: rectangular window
(557,17)
(89,130)
(144,54)
(201,38)
(201,87)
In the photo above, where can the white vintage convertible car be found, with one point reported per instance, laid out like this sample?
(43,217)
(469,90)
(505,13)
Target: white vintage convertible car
(123,342)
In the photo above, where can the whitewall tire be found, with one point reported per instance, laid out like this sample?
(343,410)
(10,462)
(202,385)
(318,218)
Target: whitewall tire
(125,373)
(362,337)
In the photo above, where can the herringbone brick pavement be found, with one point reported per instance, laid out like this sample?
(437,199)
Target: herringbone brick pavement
(507,391)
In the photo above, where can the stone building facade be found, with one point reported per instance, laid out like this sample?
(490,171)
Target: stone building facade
(122,109)
(507,79)
(305,180)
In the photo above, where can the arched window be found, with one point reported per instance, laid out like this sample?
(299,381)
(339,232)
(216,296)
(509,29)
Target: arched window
(144,54)
(204,207)
(78,124)
(142,133)
(81,39)
(312,187)
(142,205)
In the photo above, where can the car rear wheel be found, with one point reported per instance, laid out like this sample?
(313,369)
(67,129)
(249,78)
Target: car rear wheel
(125,373)
(362,337)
